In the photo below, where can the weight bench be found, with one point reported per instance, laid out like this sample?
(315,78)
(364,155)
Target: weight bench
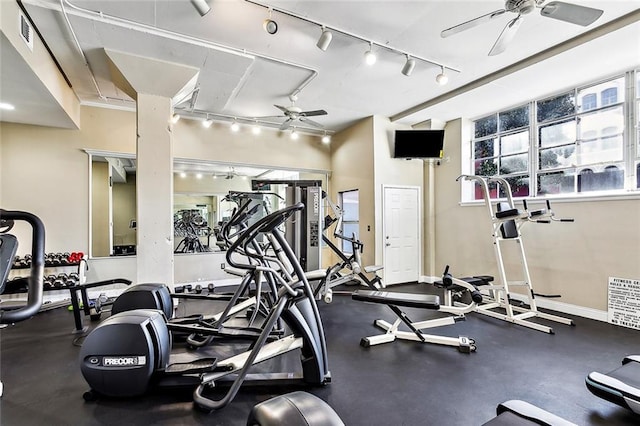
(620,386)
(420,301)
(521,413)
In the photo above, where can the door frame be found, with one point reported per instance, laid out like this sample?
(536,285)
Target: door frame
(381,239)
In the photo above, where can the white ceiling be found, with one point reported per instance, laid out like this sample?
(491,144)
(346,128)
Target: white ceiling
(260,70)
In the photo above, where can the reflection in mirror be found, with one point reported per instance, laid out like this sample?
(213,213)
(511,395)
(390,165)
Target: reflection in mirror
(200,204)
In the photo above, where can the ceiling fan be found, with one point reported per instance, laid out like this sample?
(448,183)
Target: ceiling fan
(562,11)
(293,113)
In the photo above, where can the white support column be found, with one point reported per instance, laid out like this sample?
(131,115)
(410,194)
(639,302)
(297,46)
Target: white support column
(153,84)
(154,190)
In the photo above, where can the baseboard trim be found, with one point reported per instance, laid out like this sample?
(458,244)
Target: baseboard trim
(567,308)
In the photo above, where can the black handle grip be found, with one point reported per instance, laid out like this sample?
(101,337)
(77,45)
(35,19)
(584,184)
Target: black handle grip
(566,220)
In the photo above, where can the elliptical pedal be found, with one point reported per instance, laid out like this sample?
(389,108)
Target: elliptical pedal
(203,365)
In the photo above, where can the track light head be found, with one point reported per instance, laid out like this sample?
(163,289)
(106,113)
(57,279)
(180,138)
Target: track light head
(175,118)
(201,6)
(325,39)
(408,67)
(255,129)
(235,126)
(442,78)
(269,25)
(207,123)
(294,134)
(326,139)
(370,57)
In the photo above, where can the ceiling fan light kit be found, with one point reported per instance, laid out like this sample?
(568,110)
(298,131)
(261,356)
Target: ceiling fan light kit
(562,11)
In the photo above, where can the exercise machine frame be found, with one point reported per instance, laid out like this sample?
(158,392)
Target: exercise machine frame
(506,222)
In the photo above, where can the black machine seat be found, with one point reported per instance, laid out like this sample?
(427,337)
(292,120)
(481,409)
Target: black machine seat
(620,386)
(410,300)
(294,409)
(478,281)
(521,413)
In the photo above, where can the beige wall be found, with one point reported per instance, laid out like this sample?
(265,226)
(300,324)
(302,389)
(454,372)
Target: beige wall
(352,165)
(45,170)
(571,259)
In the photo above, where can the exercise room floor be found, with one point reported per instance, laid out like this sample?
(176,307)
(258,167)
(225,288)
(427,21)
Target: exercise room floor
(400,383)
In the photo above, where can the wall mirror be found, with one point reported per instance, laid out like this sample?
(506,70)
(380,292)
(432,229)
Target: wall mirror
(200,204)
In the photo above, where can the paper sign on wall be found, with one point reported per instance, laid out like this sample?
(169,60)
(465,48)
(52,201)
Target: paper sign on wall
(624,302)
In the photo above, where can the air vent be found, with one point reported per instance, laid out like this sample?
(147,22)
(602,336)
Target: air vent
(26,31)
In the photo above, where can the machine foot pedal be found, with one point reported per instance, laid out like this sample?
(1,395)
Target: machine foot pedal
(203,365)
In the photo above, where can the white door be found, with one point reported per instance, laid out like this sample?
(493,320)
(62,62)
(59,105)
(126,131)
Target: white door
(401,234)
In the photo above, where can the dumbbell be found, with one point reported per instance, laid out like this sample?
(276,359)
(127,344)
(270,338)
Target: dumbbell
(198,289)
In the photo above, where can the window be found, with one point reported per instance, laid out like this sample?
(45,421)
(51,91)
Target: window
(589,101)
(349,203)
(573,144)
(501,148)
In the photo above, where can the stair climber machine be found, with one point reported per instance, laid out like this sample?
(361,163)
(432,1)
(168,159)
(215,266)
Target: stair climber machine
(348,269)
(8,248)
(130,352)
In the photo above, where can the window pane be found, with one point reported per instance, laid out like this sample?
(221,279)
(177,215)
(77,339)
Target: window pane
(516,118)
(603,94)
(514,164)
(518,142)
(603,123)
(485,148)
(611,177)
(560,106)
(556,183)
(486,126)
(350,205)
(558,134)
(487,167)
(601,150)
(479,194)
(348,230)
(562,156)
(519,186)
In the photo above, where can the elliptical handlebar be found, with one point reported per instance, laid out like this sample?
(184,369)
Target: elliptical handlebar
(266,224)
(35,291)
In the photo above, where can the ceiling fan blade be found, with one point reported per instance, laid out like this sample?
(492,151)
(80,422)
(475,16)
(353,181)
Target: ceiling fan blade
(506,36)
(286,124)
(312,113)
(573,13)
(281,108)
(311,122)
(472,23)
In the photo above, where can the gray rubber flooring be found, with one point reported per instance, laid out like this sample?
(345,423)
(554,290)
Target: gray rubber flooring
(399,383)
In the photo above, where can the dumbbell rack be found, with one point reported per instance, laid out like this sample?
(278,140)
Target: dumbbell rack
(506,222)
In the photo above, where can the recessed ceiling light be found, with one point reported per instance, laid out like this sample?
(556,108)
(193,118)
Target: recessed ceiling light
(6,106)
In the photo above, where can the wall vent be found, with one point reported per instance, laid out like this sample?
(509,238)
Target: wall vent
(26,31)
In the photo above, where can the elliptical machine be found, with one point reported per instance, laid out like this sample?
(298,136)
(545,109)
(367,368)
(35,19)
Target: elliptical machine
(8,248)
(130,351)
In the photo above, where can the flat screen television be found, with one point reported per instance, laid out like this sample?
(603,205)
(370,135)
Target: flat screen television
(418,144)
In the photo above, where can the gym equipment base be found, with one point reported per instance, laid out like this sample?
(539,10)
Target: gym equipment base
(464,344)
